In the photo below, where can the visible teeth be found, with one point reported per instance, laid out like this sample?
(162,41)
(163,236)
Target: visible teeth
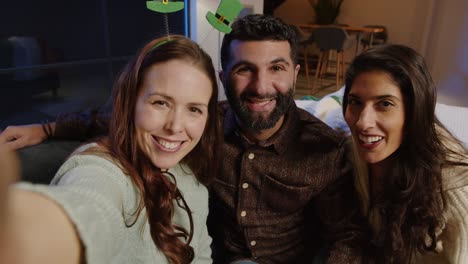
(168,145)
(370,139)
(260,100)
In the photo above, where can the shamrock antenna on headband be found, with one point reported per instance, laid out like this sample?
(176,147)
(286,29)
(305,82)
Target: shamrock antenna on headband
(165,6)
(227,11)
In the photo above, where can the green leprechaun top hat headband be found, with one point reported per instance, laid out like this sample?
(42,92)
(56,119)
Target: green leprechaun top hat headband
(165,6)
(227,11)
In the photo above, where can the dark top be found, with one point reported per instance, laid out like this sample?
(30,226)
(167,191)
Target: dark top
(278,201)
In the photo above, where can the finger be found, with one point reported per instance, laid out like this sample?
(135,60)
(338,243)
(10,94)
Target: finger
(6,137)
(16,144)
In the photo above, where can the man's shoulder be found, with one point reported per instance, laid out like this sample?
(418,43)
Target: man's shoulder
(312,128)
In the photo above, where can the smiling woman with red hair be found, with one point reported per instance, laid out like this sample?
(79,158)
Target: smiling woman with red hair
(137,194)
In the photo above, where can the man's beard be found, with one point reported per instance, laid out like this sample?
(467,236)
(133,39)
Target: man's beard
(251,119)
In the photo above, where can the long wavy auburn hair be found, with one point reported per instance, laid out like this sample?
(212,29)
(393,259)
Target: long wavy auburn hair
(413,200)
(157,191)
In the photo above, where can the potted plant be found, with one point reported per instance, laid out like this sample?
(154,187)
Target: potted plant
(326,11)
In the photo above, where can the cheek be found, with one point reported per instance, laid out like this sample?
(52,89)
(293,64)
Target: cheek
(397,127)
(283,84)
(196,128)
(349,118)
(237,85)
(147,119)
(399,132)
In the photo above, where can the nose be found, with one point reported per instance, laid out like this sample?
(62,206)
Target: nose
(174,121)
(260,83)
(366,118)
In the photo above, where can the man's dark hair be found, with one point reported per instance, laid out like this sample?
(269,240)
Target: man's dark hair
(259,27)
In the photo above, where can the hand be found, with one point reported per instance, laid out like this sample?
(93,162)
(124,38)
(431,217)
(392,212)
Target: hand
(16,137)
(9,173)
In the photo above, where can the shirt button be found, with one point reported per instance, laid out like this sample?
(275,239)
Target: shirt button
(253,243)
(245,185)
(243,213)
(251,156)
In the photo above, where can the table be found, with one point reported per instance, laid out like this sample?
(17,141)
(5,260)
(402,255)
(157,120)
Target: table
(351,29)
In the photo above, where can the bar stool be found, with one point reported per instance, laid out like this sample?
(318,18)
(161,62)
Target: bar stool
(377,39)
(305,43)
(331,39)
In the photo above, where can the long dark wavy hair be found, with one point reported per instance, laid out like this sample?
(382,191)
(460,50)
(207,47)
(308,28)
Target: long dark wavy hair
(413,200)
(157,191)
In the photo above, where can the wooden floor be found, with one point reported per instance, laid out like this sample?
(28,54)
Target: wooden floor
(324,87)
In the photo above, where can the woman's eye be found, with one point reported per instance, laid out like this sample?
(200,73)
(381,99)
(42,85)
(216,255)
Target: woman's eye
(352,101)
(159,102)
(386,103)
(196,110)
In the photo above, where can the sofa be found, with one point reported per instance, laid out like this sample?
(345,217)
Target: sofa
(329,110)
(42,161)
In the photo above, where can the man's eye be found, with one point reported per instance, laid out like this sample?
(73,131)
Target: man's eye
(277,68)
(243,69)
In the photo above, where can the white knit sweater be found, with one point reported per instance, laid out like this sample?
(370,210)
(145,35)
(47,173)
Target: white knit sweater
(100,200)
(454,236)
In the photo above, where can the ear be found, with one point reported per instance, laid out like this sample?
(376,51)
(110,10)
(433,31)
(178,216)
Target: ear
(222,78)
(296,71)
(221,75)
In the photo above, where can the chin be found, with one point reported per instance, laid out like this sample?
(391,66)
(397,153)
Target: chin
(373,160)
(164,164)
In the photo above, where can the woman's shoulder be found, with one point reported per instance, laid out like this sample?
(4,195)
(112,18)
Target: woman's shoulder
(89,157)
(184,176)
(88,168)
(194,192)
(455,177)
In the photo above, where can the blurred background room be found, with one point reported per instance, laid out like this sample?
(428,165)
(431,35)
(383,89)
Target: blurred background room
(62,56)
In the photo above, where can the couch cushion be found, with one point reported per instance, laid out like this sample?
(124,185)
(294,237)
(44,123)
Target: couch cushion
(329,110)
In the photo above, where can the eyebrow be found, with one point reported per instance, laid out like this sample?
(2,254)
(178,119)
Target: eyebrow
(198,104)
(384,96)
(158,94)
(246,62)
(280,60)
(172,99)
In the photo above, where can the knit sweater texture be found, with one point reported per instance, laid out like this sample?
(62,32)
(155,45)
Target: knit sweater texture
(454,236)
(101,201)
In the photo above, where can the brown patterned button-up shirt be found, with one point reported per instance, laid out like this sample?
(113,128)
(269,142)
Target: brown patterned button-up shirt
(278,201)
(275,201)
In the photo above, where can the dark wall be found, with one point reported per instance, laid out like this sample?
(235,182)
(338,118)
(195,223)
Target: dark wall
(83,45)
(78,28)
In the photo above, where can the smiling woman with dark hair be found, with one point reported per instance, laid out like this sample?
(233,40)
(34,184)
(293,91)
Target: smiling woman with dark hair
(411,173)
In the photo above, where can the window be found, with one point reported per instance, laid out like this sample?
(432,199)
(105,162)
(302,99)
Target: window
(61,56)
